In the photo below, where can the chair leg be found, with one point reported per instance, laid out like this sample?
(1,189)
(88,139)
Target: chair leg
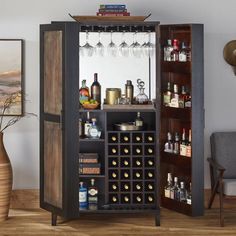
(213,193)
(221,204)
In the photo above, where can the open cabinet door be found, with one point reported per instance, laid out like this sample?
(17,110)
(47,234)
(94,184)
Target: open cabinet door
(184,121)
(57,164)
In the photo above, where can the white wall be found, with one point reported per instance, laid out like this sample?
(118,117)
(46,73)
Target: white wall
(21,19)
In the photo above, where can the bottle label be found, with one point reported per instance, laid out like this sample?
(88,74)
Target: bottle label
(93,132)
(183,150)
(166,100)
(92,192)
(86,128)
(139,123)
(172,194)
(188,151)
(174,102)
(167,193)
(182,57)
(83,199)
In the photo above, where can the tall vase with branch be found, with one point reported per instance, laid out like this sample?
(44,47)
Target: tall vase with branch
(6,176)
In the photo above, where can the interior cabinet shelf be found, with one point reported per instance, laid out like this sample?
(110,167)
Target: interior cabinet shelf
(176,159)
(176,67)
(92,176)
(176,113)
(91,140)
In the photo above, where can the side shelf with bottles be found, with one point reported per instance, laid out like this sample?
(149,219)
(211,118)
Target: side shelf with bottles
(182,118)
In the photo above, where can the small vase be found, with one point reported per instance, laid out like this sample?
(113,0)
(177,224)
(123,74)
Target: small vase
(5,181)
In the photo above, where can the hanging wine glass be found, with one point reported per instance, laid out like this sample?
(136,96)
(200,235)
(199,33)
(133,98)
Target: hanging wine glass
(135,47)
(150,47)
(144,45)
(112,48)
(87,48)
(99,48)
(124,47)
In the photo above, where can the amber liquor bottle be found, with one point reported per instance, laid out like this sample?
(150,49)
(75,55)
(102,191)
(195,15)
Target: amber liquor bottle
(83,92)
(167,95)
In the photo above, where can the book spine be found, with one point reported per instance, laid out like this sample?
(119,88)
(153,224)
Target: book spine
(112,6)
(112,10)
(113,14)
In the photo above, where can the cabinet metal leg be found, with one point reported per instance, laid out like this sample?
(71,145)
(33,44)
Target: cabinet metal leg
(157,219)
(54,219)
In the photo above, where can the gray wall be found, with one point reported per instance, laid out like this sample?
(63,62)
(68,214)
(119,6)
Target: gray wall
(21,19)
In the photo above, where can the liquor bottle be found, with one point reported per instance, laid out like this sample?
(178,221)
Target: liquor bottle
(150,199)
(183,147)
(138,121)
(96,90)
(182,192)
(126,162)
(189,145)
(137,151)
(188,102)
(150,163)
(174,102)
(114,175)
(137,175)
(113,151)
(174,192)
(126,175)
(126,150)
(94,131)
(175,52)
(114,187)
(87,125)
(126,138)
(150,138)
(168,186)
(114,163)
(182,97)
(150,175)
(138,163)
(138,187)
(176,143)
(126,199)
(139,198)
(93,196)
(83,203)
(126,187)
(167,50)
(169,147)
(184,53)
(167,95)
(83,92)
(114,199)
(150,187)
(150,151)
(138,138)
(189,195)
(113,138)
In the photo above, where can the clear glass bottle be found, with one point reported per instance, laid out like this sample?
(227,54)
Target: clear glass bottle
(87,125)
(138,121)
(184,53)
(83,92)
(92,196)
(176,144)
(94,130)
(168,185)
(167,95)
(175,190)
(169,146)
(167,50)
(182,192)
(141,98)
(189,195)
(83,203)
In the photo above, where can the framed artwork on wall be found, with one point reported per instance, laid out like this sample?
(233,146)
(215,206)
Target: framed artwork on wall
(11,77)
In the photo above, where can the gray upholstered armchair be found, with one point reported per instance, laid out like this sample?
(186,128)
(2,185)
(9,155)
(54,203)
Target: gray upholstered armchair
(223,167)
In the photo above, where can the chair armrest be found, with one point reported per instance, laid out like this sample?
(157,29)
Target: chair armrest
(215,164)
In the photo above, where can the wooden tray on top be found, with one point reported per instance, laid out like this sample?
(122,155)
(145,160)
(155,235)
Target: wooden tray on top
(109,18)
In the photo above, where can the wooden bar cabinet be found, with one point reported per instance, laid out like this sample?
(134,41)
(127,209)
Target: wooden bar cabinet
(134,159)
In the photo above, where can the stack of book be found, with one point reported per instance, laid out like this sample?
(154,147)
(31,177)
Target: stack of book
(113,10)
(88,164)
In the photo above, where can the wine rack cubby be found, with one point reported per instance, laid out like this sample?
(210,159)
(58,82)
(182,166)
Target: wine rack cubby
(133,166)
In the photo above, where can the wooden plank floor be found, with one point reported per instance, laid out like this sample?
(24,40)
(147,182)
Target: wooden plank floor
(37,222)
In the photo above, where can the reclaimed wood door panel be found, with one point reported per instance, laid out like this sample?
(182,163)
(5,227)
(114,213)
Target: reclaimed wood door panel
(53,72)
(52,164)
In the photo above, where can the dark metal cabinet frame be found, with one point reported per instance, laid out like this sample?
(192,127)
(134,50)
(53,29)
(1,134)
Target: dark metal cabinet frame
(67,119)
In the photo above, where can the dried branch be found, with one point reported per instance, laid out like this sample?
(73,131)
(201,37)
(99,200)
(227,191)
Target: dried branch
(7,104)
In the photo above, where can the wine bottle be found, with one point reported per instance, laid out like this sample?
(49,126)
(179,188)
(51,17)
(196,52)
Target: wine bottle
(96,90)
